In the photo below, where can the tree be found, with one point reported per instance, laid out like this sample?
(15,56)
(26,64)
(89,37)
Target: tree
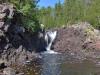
(59,13)
(28,9)
(71,11)
(74,10)
(93,14)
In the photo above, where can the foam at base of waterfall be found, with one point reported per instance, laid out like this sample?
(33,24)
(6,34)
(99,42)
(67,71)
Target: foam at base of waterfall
(50,52)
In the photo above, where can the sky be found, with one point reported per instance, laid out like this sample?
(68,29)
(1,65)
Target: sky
(46,3)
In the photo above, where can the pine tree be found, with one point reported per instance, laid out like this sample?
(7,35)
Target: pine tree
(58,13)
(93,15)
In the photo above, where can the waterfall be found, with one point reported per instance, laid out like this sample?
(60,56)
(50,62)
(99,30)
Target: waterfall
(49,39)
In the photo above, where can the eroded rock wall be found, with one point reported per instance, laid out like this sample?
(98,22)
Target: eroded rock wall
(17,45)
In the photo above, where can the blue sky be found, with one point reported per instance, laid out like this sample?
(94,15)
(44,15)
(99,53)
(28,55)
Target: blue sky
(46,3)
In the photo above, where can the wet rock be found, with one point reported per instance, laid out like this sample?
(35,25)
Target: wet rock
(20,74)
(1,33)
(9,71)
(1,24)
(2,16)
(2,64)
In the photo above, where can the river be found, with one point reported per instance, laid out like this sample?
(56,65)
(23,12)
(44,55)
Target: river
(54,64)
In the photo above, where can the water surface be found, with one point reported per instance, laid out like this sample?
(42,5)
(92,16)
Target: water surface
(54,64)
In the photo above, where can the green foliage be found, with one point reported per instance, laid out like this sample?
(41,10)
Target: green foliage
(28,9)
(93,14)
(51,17)
(71,11)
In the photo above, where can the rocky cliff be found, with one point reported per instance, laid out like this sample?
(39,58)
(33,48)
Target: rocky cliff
(17,45)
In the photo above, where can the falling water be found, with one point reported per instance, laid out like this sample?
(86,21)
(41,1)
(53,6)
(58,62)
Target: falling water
(49,38)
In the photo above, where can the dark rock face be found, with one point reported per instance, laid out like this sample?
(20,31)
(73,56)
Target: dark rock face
(17,45)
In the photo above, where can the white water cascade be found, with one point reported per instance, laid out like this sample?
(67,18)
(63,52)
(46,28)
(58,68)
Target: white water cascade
(49,38)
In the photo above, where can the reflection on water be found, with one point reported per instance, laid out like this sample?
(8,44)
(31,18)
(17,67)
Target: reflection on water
(52,64)
(85,68)
(51,61)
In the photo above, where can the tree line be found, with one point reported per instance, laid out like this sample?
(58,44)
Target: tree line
(71,11)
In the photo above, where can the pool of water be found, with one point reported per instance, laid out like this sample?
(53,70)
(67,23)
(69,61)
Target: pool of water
(54,64)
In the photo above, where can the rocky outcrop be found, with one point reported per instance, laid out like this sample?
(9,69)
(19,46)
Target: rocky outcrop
(78,40)
(17,45)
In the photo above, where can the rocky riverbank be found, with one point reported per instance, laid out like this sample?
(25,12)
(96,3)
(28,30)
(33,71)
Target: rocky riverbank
(78,39)
(17,45)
